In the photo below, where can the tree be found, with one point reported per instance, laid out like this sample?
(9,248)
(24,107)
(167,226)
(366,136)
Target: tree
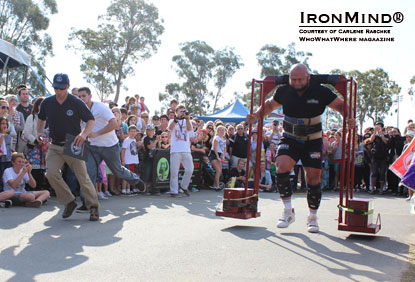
(227,63)
(23,23)
(412,89)
(375,93)
(129,34)
(196,67)
(276,60)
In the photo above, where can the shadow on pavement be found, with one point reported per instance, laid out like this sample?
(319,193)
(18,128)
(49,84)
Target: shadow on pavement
(58,246)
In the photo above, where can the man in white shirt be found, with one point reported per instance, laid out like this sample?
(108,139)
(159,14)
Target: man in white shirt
(104,142)
(181,132)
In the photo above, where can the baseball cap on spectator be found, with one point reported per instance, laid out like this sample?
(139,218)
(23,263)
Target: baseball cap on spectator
(254,131)
(203,130)
(150,126)
(379,123)
(410,133)
(112,103)
(156,117)
(60,80)
(276,122)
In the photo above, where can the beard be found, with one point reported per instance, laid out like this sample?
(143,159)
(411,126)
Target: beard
(300,89)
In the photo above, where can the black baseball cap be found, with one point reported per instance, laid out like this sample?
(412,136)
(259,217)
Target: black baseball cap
(60,80)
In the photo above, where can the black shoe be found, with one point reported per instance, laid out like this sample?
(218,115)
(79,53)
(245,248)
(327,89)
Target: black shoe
(141,186)
(94,214)
(176,195)
(186,192)
(82,209)
(6,204)
(69,208)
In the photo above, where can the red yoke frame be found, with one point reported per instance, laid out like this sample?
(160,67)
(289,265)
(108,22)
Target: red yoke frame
(245,200)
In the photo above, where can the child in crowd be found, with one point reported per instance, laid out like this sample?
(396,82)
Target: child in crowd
(150,142)
(102,183)
(129,157)
(15,179)
(217,154)
(164,141)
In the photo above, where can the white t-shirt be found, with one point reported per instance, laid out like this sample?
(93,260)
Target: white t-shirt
(102,115)
(274,137)
(180,137)
(9,174)
(131,152)
(221,144)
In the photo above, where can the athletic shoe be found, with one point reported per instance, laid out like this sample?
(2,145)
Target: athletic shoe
(6,204)
(69,208)
(82,209)
(176,195)
(140,186)
(288,217)
(33,204)
(101,196)
(194,190)
(94,214)
(108,194)
(186,192)
(312,225)
(408,199)
(128,192)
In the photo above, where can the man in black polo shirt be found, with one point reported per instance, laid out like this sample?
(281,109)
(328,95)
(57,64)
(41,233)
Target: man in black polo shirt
(238,148)
(303,103)
(64,113)
(24,107)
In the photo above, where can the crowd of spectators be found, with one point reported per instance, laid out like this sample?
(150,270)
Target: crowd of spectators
(221,147)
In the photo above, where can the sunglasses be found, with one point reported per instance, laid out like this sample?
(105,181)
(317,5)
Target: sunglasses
(211,128)
(164,136)
(58,88)
(4,107)
(144,116)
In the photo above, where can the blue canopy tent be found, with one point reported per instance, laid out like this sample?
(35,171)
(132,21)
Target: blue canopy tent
(235,112)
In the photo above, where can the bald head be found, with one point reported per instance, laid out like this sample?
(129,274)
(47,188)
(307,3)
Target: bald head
(299,77)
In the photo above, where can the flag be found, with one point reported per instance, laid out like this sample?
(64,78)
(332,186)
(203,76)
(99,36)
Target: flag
(401,165)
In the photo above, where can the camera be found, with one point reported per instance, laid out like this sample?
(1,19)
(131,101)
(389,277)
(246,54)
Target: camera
(186,113)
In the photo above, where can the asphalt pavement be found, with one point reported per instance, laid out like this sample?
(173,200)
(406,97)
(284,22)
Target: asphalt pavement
(159,238)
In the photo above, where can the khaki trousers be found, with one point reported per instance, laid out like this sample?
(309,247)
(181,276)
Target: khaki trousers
(54,162)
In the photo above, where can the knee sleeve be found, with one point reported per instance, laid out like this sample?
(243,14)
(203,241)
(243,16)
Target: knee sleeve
(313,196)
(284,185)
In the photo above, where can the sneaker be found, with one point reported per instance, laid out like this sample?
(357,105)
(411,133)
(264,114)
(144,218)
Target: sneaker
(312,225)
(176,195)
(123,192)
(33,204)
(135,191)
(194,190)
(82,209)
(140,186)
(94,214)
(128,192)
(69,208)
(407,199)
(6,204)
(101,196)
(288,217)
(186,192)
(108,194)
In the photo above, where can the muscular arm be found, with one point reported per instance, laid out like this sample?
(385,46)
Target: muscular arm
(338,105)
(269,106)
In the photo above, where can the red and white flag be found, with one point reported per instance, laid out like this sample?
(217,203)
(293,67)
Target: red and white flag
(401,165)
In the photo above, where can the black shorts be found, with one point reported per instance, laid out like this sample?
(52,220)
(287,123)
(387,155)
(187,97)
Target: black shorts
(309,152)
(212,156)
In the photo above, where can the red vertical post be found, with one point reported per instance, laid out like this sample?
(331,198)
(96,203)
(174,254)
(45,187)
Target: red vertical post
(259,139)
(343,150)
(248,154)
